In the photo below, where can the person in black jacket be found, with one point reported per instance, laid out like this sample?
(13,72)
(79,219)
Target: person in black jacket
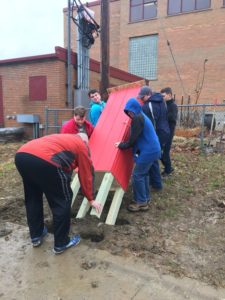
(172,112)
(155,109)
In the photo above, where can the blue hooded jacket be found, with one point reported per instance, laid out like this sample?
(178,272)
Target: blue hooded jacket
(143,139)
(159,118)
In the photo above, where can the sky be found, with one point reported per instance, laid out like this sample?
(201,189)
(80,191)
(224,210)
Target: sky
(29,27)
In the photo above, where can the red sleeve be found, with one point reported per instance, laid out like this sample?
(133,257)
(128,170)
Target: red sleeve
(86,174)
(69,127)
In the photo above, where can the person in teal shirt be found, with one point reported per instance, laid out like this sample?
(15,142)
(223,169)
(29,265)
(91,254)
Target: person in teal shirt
(96,106)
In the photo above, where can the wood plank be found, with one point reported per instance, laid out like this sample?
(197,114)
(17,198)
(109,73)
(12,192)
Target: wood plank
(103,192)
(83,209)
(115,206)
(75,185)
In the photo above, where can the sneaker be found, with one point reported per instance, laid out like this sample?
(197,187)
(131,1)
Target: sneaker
(36,242)
(74,240)
(133,207)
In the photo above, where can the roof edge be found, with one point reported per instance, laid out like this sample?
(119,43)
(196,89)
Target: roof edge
(28,58)
(61,54)
(114,72)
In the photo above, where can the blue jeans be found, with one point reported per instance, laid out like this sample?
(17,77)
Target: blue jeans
(140,182)
(140,179)
(155,176)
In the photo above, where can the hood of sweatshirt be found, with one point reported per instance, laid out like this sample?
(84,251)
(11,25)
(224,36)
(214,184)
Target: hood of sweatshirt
(156,97)
(133,105)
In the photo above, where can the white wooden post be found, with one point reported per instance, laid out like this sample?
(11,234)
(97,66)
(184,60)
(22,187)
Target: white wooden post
(103,192)
(75,185)
(115,206)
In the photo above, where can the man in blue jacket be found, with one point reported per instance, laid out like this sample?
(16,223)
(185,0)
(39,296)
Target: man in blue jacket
(96,106)
(146,150)
(154,108)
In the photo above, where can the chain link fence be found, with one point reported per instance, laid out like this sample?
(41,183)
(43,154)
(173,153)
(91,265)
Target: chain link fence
(205,122)
(55,118)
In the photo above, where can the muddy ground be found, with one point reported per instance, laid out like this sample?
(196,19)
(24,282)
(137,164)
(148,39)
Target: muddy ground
(181,234)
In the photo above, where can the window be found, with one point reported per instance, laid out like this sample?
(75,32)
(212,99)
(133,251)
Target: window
(223,2)
(38,88)
(142,10)
(143,53)
(182,6)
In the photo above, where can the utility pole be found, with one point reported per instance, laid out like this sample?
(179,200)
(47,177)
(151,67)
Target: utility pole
(87,27)
(104,84)
(69,89)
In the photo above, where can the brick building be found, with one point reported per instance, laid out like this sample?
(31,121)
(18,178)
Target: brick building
(173,43)
(28,85)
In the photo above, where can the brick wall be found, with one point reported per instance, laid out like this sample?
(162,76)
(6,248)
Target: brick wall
(15,80)
(15,74)
(193,37)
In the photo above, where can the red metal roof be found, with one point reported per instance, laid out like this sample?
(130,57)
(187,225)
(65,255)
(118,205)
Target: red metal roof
(113,126)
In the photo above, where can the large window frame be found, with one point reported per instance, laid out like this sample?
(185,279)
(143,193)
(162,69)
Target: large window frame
(143,56)
(142,10)
(175,7)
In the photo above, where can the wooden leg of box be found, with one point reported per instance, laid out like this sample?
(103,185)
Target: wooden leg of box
(83,209)
(115,206)
(103,192)
(75,185)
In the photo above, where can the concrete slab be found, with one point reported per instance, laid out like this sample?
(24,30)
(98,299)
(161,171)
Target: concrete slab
(84,273)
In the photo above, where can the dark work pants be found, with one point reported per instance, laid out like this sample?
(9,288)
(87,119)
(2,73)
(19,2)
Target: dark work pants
(166,161)
(40,177)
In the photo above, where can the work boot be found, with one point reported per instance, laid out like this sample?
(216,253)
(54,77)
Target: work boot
(134,207)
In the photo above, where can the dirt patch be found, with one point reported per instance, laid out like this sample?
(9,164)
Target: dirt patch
(182,233)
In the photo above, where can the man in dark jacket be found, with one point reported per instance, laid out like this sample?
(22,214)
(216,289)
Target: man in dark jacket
(155,109)
(146,150)
(172,112)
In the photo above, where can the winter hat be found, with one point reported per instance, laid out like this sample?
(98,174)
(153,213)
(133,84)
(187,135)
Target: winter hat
(144,91)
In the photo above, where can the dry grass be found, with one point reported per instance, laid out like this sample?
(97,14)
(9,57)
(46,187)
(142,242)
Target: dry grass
(188,132)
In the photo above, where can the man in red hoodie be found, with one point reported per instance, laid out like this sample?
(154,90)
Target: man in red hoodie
(46,165)
(78,123)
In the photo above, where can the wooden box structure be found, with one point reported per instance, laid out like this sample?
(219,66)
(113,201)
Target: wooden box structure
(113,167)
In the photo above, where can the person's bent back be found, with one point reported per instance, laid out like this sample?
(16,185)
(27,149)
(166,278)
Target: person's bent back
(46,166)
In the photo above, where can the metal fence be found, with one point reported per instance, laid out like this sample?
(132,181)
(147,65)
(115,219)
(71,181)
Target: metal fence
(209,119)
(55,118)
